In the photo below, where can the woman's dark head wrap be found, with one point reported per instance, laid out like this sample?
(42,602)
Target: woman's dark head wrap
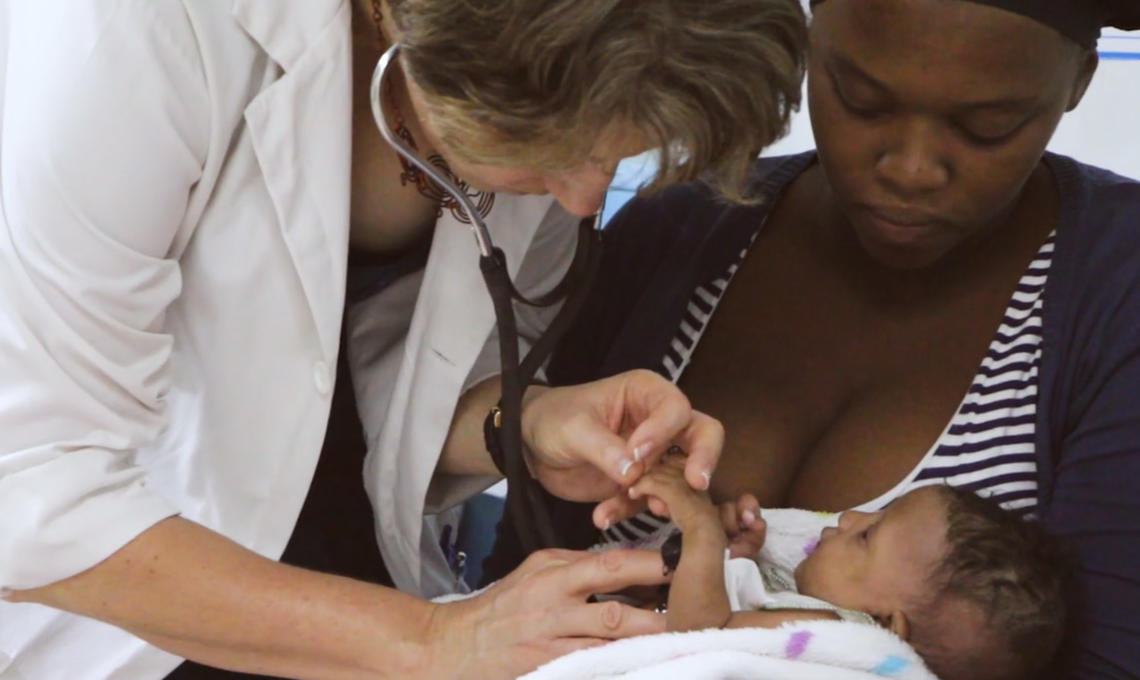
(1078,20)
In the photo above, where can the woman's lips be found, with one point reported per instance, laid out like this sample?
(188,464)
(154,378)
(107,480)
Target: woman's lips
(902,226)
(905,217)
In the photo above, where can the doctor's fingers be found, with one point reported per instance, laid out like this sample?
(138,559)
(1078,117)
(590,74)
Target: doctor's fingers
(657,411)
(590,440)
(702,440)
(588,572)
(635,500)
(615,509)
(603,620)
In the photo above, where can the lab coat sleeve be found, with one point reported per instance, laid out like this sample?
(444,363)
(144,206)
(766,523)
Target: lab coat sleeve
(105,117)
(544,266)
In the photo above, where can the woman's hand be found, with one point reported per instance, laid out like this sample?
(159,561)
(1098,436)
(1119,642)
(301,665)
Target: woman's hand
(589,441)
(539,612)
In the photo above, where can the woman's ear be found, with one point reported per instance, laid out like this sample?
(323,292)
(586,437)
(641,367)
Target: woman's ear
(1089,62)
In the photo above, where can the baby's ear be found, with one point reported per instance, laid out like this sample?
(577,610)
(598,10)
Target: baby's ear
(896,622)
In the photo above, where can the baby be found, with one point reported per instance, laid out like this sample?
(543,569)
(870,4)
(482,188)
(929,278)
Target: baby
(976,591)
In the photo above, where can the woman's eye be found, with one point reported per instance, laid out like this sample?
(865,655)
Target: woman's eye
(988,139)
(990,130)
(860,110)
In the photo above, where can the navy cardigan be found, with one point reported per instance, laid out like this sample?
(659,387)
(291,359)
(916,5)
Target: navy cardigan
(1088,412)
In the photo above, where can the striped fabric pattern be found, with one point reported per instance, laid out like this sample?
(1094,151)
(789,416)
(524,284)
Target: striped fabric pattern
(988,445)
(696,319)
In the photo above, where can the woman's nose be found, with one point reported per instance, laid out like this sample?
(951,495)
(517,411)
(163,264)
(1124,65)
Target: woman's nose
(580,192)
(913,163)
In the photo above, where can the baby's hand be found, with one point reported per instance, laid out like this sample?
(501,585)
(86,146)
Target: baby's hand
(744,526)
(670,495)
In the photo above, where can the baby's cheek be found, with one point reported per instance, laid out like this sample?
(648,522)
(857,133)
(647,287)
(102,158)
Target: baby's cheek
(810,575)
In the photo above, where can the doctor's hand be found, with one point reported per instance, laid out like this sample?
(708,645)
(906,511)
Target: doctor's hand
(592,441)
(540,612)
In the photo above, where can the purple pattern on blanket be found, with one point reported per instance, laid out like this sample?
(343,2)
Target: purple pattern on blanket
(797,643)
(811,545)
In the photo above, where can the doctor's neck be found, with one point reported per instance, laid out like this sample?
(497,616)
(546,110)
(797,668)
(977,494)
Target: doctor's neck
(379,18)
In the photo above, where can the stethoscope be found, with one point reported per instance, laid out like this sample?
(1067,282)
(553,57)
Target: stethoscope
(525,503)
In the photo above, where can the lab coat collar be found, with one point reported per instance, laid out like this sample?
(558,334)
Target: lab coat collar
(301,130)
(286,30)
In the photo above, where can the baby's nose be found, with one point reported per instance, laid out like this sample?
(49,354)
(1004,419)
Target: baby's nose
(850,518)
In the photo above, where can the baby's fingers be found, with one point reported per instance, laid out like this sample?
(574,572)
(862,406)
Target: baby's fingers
(748,512)
(662,482)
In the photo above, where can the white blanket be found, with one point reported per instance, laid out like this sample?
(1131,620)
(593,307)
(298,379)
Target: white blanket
(805,650)
(808,650)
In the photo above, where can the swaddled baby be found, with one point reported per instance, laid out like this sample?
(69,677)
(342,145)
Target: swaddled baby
(976,591)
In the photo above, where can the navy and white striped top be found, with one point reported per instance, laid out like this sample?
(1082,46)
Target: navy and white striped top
(988,445)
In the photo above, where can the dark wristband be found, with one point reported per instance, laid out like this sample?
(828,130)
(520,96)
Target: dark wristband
(492,425)
(492,430)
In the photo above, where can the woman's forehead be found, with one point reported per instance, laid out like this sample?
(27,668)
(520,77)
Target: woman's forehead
(917,24)
(955,46)
(1080,21)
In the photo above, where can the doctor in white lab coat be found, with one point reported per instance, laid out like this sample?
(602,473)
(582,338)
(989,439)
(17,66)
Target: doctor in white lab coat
(174,219)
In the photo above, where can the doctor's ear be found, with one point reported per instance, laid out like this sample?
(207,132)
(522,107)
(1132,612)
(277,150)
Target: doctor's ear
(895,622)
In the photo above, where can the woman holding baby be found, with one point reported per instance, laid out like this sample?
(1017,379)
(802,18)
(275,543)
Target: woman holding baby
(929,297)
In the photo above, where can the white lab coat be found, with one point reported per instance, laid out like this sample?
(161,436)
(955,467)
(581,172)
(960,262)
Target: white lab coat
(174,179)
(174,192)
(409,376)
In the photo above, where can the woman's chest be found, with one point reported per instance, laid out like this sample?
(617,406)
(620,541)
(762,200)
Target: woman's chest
(829,401)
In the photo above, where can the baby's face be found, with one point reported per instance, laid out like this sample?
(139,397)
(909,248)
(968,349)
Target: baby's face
(878,562)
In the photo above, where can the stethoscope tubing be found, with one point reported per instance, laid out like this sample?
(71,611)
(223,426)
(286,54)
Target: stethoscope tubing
(526,504)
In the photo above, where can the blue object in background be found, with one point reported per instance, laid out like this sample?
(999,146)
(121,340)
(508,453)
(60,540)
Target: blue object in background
(476,537)
(631,174)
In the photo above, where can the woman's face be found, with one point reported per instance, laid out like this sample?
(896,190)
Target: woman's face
(930,115)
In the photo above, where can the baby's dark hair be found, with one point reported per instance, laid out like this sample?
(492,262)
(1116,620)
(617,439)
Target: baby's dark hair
(1005,574)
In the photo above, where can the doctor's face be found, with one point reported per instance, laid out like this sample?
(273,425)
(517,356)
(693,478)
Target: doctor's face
(579,189)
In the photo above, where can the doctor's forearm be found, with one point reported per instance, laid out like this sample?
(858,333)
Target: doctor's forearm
(199,595)
(464,451)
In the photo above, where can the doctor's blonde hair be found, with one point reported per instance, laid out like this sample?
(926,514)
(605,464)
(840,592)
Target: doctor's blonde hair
(534,82)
